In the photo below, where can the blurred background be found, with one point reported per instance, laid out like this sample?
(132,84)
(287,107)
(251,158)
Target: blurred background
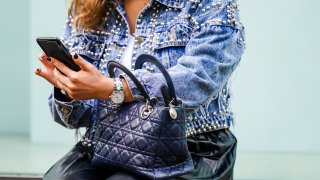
(275,90)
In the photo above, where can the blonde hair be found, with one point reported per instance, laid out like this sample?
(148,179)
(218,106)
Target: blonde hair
(89,14)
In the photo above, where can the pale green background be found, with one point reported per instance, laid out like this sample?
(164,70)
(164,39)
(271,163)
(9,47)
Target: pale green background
(275,89)
(15,67)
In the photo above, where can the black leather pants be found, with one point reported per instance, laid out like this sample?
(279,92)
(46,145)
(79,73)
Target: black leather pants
(213,155)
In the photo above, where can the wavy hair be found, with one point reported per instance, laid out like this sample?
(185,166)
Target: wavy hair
(89,14)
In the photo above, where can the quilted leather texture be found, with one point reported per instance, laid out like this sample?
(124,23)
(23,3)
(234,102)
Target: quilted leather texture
(155,147)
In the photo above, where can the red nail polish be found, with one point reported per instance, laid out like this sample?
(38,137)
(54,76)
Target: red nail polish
(38,70)
(49,59)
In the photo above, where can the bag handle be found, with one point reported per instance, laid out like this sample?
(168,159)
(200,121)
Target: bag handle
(143,58)
(112,65)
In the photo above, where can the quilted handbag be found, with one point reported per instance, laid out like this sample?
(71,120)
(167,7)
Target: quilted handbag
(147,137)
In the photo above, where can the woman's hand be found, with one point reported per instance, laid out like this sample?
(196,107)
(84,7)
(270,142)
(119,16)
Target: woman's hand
(88,83)
(47,72)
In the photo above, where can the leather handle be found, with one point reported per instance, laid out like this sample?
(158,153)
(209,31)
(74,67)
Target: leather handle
(112,65)
(143,58)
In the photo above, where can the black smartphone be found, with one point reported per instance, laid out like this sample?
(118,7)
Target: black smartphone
(53,47)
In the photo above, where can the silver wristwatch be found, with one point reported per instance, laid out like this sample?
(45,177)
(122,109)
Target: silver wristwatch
(117,96)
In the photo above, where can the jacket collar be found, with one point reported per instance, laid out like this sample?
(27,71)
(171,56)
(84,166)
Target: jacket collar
(172,3)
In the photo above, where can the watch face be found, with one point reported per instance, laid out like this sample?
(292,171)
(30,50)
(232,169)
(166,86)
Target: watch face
(117,97)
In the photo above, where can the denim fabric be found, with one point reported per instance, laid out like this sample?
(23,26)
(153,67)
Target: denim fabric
(200,42)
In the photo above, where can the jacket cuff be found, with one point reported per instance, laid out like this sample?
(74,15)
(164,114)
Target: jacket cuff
(64,107)
(152,83)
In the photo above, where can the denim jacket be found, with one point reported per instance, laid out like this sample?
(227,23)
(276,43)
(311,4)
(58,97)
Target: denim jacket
(200,42)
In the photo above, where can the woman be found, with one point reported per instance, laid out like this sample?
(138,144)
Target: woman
(200,42)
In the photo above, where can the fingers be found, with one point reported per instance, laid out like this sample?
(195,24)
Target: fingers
(45,60)
(81,62)
(62,79)
(41,73)
(48,65)
(63,68)
(64,88)
(60,85)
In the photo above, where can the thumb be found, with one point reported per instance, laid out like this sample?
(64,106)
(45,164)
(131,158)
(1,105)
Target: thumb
(81,62)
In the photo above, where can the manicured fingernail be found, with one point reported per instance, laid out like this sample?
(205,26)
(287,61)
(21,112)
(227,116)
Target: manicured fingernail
(38,70)
(75,56)
(42,56)
(49,59)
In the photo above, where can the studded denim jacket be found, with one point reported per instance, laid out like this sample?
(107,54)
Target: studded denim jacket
(200,42)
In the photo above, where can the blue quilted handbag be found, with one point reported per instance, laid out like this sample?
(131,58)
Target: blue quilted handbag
(147,137)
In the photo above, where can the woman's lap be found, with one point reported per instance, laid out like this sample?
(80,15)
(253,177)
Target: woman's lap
(74,165)
(213,155)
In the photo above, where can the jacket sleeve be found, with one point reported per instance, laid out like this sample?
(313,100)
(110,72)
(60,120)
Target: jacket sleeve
(69,113)
(211,55)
